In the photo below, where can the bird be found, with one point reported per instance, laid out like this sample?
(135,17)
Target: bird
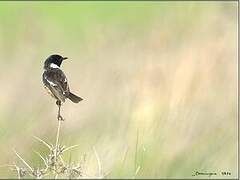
(56,83)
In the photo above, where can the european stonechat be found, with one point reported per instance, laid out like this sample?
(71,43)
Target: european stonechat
(56,83)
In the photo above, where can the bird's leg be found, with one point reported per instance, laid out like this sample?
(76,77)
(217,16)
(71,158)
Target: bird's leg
(60,118)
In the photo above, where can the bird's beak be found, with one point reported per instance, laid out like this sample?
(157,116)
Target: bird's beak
(64,58)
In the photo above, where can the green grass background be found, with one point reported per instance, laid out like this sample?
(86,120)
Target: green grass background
(159,82)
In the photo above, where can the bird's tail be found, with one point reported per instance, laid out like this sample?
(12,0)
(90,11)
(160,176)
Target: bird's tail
(74,98)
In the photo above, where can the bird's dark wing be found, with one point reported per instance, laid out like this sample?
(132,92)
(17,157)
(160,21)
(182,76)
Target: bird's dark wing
(57,83)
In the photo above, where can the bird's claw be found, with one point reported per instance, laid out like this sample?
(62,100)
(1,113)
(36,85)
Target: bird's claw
(58,103)
(60,118)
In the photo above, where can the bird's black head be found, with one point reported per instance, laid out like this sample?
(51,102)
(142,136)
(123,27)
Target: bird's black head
(54,61)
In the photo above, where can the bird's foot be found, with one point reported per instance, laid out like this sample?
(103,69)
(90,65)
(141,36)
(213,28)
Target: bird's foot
(60,118)
(58,103)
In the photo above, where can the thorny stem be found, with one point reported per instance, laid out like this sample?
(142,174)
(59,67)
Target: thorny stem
(55,165)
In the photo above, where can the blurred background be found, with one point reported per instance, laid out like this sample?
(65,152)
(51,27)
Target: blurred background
(158,79)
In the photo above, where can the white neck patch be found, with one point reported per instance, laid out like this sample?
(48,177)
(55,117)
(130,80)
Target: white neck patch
(52,65)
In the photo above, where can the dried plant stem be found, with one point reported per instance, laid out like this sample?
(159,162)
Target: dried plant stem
(58,132)
(56,145)
(55,167)
(27,165)
(45,143)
